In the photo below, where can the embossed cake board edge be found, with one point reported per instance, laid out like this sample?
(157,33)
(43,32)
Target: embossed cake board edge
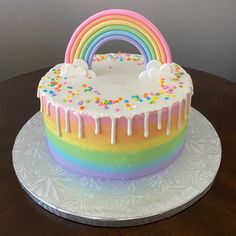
(101,222)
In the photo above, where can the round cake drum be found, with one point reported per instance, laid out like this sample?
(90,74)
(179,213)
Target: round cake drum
(117,203)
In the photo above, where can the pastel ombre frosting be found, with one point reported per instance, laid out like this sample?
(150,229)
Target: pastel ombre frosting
(119,116)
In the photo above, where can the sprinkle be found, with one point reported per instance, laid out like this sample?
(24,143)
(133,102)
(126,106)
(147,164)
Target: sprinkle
(152,102)
(81,107)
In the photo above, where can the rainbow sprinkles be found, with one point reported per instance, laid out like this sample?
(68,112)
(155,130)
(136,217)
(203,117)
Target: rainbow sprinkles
(116,115)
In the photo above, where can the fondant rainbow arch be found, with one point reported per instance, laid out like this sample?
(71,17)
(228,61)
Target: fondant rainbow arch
(117,24)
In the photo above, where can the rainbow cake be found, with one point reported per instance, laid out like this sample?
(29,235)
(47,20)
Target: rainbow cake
(116,115)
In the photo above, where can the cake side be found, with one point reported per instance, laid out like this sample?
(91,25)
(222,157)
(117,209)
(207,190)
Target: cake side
(135,156)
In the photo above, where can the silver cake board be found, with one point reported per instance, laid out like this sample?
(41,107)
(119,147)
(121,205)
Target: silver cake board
(113,203)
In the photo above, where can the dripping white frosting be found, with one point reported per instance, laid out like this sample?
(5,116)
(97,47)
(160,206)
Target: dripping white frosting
(58,125)
(185,107)
(47,107)
(97,125)
(159,119)
(80,126)
(179,114)
(113,130)
(190,100)
(67,125)
(129,126)
(146,124)
(41,102)
(168,122)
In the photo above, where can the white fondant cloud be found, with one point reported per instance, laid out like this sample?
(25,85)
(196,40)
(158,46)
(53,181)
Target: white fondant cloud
(81,63)
(155,70)
(153,64)
(78,69)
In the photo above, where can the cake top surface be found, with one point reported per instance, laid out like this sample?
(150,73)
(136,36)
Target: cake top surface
(118,85)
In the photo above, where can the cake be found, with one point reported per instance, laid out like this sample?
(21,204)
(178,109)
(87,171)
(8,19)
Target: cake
(116,115)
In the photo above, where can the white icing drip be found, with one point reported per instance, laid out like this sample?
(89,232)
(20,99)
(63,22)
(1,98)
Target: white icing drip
(67,125)
(97,126)
(185,107)
(190,100)
(179,114)
(113,130)
(58,121)
(41,103)
(159,115)
(129,126)
(168,122)
(80,126)
(146,125)
(47,107)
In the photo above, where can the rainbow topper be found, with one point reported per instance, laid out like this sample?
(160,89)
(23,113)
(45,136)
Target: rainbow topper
(117,24)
